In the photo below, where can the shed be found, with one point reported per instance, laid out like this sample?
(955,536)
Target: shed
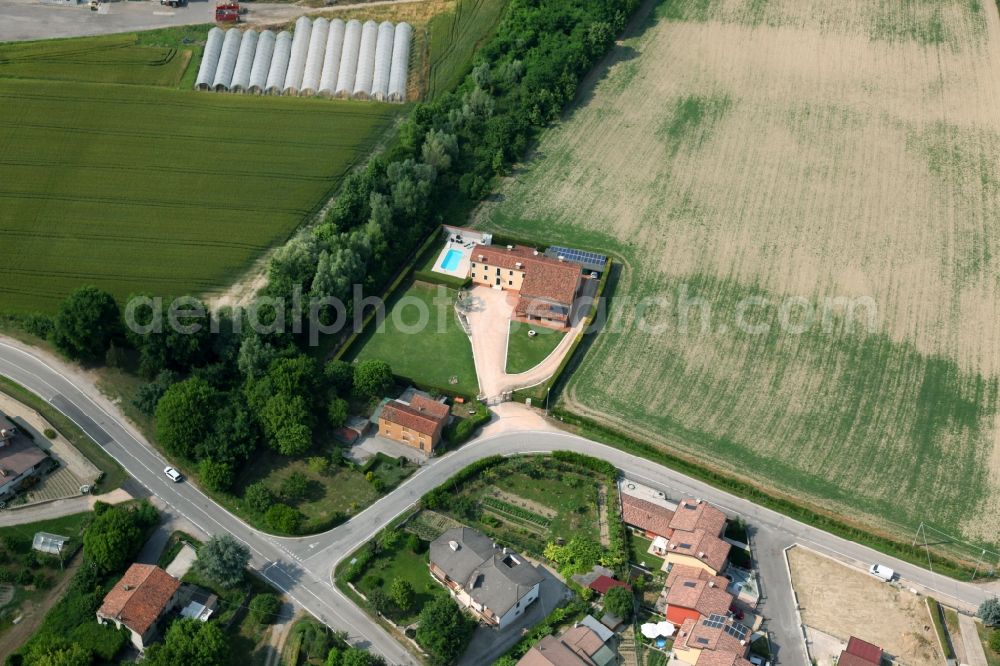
(44,542)
(331,58)
(400,62)
(602,584)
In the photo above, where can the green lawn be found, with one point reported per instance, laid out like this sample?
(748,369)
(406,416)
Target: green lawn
(525,351)
(454,38)
(431,354)
(401,562)
(95,174)
(69,526)
(640,555)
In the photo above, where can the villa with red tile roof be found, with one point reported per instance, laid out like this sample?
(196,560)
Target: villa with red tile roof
(546,287)
(695,598)
(145,594)
(710,640)
(860,653)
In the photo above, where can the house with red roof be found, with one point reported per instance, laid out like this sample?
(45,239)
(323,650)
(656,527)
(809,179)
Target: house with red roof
(715,640)
(653,520)
(696,538)
(860,653)
(144,595)
(546,287)
(697,597)
(418,422)
(602,584)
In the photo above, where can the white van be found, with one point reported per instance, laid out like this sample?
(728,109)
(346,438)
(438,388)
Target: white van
(882,571)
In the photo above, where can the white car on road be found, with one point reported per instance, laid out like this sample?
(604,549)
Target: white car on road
(881,571)
(173,474)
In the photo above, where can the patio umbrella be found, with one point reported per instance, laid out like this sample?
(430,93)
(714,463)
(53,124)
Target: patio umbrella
(665,629)
(650,630)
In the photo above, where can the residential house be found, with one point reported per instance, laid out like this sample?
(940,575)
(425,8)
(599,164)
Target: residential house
(602,584)
(578,646)
(20,459)
(495,584)
(709,640)
(417,423)
(692,598)
(546,287)
(722,659)
(653,520)
(144,595)
(696,539)
(860,653)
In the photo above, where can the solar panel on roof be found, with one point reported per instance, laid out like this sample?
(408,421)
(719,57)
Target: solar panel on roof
(737,631)
(579,256)
(715,621)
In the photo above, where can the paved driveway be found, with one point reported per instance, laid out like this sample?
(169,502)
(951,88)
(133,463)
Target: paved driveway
(489,311)
(23,19)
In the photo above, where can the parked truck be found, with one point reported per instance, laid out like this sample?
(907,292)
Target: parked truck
(227,12)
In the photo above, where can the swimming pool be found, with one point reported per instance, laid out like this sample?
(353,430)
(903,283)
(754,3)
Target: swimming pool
(451,260)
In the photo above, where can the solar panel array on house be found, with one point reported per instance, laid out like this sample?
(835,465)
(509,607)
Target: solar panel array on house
(592,261)
(321,57)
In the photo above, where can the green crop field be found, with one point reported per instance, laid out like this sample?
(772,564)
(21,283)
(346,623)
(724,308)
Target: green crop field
(148,187)
(750,162)
(454,38)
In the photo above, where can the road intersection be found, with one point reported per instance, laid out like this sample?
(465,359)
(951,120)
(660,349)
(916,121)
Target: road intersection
(302,567)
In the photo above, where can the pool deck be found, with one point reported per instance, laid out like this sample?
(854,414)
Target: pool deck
(462,269)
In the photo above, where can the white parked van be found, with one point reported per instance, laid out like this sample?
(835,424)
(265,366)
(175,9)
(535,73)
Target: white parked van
(882,571)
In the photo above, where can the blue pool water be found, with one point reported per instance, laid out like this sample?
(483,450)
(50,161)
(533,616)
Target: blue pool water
(451,260)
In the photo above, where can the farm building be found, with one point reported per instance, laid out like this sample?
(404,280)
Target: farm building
(261,62)
(227,60)
(297,58)
(210,59)
(314,57)
(331,58)
(349,59)
(321,57)
(279,63)
(244,62)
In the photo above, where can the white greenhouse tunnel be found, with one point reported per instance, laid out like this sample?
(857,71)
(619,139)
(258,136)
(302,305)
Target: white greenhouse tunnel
(322,57)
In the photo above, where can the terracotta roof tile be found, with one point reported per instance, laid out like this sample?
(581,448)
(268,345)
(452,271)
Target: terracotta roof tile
(699,595)
(140,597)
(692,515)
(418,415)
(700,545)
(646,515)
(868,651)
(697,635)
(544,278)
(694,573)
(715,658)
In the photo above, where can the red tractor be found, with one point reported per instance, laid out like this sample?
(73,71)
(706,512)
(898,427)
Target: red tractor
(227,12)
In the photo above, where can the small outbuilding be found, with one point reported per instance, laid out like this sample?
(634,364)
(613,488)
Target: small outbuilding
(45,542)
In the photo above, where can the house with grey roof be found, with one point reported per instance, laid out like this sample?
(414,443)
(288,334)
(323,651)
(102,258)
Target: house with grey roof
(494,583)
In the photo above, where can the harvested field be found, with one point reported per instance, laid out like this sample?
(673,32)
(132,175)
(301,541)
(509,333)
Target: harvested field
(751,161)
(845,602)
(144,188)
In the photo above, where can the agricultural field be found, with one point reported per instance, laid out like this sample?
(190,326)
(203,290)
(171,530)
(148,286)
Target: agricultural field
(147,187)
(790,152)
(433,353)
(454,38)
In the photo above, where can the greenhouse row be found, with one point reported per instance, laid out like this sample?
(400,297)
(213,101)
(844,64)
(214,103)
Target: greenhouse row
(321,57)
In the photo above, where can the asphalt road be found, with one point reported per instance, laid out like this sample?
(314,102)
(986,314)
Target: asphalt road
(302,566)
(30,19)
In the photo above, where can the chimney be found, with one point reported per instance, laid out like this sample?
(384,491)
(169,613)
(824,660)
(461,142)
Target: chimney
(454,545)
(517,264)
(126,586)
(510,247)
(480,257)
(711,583)
(562,258)
(673,546)
(536,253)
(701,554)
